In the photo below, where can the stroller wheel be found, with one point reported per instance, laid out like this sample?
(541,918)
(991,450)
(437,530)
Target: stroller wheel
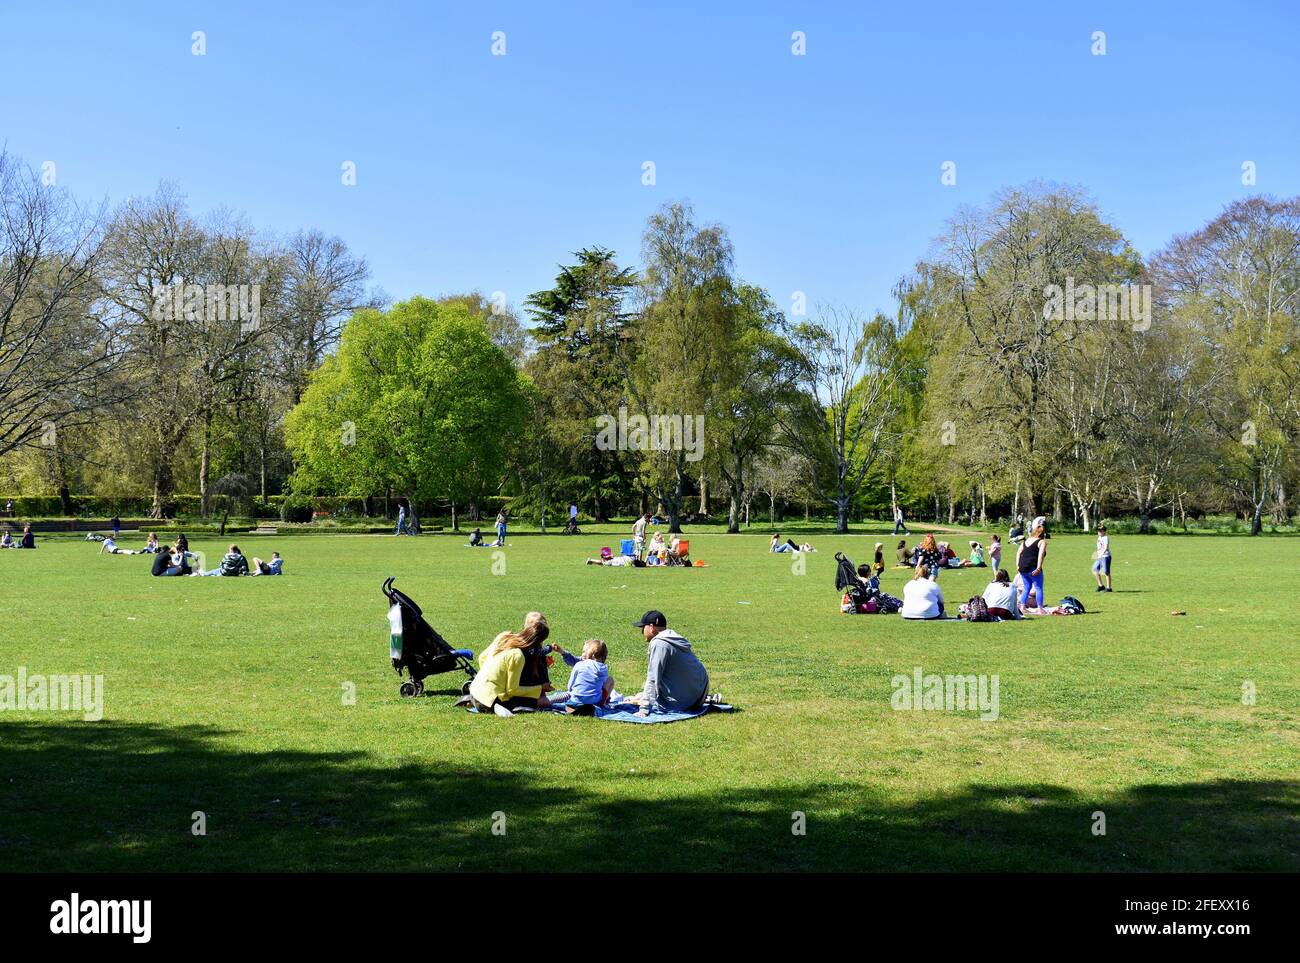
(408,690)
(464,689)
(419,688)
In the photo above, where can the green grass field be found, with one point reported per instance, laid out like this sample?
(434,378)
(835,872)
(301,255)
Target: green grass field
(226,697)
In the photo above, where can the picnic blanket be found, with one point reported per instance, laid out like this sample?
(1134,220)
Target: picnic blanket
(627,712)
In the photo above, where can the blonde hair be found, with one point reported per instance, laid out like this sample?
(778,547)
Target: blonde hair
(928,543)
(595,649)
(507,640)
(922,571)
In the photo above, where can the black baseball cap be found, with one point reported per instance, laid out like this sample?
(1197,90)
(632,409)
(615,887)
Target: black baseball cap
(653,617)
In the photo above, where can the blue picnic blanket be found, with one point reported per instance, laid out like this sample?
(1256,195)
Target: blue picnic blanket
(627,712)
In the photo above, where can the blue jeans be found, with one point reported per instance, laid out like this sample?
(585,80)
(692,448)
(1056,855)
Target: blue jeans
(501,534)
(1034,582)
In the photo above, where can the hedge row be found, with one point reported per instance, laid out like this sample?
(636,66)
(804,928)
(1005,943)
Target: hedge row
(302,507)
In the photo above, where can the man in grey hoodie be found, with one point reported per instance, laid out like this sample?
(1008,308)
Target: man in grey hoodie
(675,680)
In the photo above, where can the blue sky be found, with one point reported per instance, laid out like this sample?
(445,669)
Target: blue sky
(482,171)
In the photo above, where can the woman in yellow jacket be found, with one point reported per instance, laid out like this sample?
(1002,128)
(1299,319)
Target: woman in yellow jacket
(497,687)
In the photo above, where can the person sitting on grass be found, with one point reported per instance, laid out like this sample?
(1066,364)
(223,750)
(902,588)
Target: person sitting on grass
(657,549)
(976,559)
(1000,596)
(922,597)
(499,686)
(170,561)
(675,678)
(273,567)
(476,539)
(590,684)
(28,539)
(928,554)
(7,540)
(675,551)
(869,579)
(151,545)
(232,564)
(902,555)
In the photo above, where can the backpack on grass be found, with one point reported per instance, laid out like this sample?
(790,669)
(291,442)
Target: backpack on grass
(977,610)
(1070,602)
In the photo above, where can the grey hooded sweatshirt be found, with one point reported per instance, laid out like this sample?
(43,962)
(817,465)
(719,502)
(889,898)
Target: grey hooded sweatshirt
(675,680)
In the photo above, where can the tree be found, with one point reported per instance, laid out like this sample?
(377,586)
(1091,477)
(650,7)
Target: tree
(990,292)
(756,375)
(417,398)
(58,355)
(581,369)
(1236,285)
(686,326)
(849,371)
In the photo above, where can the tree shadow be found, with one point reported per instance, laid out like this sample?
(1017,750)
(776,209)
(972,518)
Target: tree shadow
(114,796)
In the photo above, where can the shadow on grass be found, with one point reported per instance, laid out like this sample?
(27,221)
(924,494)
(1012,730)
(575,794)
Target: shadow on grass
(113,796)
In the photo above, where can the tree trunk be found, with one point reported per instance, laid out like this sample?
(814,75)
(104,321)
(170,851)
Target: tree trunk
(162,485)
(205,464)
(412,513)
(704,495)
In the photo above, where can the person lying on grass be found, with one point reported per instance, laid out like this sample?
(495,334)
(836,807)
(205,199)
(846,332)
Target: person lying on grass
(675,679)
(590,684)
(110,545)
(922,597)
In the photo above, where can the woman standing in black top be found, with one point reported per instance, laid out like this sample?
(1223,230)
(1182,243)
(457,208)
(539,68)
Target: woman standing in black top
(1030,558)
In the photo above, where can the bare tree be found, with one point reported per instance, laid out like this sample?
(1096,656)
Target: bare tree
(56,352)
(848,368)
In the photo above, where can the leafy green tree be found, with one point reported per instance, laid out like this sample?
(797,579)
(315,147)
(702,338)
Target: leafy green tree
(417,398)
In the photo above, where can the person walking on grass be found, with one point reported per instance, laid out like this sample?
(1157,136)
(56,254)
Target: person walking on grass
(1101,560)
(401,520)
(899,524)
(502,520)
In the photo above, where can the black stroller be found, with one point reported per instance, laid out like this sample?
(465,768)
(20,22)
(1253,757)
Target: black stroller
(414,645)
(847,581)
(862,598)
(571,527)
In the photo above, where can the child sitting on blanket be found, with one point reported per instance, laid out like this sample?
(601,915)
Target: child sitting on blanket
(590,684)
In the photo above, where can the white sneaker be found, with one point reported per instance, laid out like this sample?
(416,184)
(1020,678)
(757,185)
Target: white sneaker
(502,711)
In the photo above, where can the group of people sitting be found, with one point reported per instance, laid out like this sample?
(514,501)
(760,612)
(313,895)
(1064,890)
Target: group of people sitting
(28,540)
(476,540)
(513,673)
(1003,598)
(175,560)
(658,551)
(941,555)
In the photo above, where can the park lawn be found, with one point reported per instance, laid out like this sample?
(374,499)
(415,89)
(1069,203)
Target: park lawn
(226,697)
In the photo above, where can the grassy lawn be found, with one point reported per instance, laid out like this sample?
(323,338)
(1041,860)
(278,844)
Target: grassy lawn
(225,696)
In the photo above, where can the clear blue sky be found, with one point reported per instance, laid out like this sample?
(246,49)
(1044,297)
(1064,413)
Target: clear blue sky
(478,171)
